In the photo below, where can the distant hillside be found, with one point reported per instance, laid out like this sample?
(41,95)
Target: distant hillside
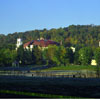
(74,35)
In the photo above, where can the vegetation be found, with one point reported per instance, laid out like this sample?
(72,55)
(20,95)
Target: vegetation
(63,87)
(74,35)
(72,67)
(7,56)
(54,56)
(85,39)
(35,95)
(85,55)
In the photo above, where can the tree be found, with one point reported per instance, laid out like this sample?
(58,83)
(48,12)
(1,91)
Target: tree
(65,55)
(52,55)
(76,55)
(59,55)
(7,57)
(20,55)
(28,57)
(97,58)
(85,55)
(25,56)
(62,55)
(69,56)
(2,57)
(44,55)
(97,55)
(37,55)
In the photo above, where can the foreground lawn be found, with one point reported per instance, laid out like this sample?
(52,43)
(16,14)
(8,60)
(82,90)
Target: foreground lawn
(19,94)
(72,67)
(49,87)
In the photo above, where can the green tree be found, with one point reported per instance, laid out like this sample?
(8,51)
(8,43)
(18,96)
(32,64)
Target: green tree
(62,55)
(85,55)
(20,55)
(65,55)
(97,55)
(7,57)
(2,57)
(37,55)
(28,57)
(76,55)
(97,58)
(69,56)
(76,58)
(52,55)
(25,57)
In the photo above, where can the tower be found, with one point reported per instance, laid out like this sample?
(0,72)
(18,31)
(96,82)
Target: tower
(19,43)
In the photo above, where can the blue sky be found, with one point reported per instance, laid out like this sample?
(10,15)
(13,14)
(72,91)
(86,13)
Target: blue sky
(25,15)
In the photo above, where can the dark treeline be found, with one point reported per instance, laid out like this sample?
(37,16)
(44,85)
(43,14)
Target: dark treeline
(85,39)
(54,55)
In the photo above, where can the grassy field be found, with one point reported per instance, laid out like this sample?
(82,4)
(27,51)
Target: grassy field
(72,67)
(43,87)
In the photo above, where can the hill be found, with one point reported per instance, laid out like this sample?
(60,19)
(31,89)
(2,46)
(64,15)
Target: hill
(73,35)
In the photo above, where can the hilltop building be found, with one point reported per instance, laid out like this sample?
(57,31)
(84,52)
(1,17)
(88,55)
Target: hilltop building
(41,43)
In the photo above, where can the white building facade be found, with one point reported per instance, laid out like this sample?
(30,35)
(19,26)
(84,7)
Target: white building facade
(19,43)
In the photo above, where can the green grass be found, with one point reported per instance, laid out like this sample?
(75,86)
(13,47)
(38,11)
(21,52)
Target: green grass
(36,94)
(72,67)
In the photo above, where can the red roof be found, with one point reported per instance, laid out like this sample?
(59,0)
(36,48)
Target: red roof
(27,44)
(41,43)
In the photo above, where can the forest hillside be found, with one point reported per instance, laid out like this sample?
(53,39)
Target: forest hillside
(73,35)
